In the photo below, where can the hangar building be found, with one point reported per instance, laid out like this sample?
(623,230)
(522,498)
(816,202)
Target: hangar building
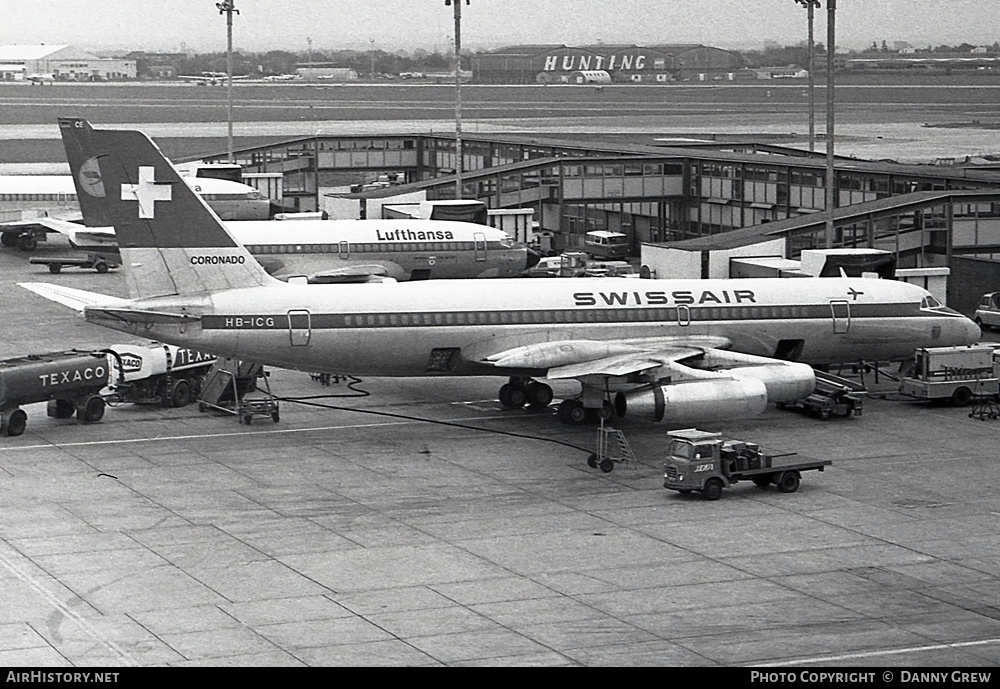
(65,62)
(545,64)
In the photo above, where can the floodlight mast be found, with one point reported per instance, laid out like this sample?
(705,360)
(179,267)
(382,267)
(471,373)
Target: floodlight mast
(831,179)
(811,5)
(458,94)
(228,7)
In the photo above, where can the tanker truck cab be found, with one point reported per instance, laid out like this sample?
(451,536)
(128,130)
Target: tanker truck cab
(706,462)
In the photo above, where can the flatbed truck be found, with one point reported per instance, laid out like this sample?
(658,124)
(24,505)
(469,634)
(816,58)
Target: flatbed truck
(706,462)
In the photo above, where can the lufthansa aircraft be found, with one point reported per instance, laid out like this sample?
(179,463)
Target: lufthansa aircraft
(327,250)
(667,350)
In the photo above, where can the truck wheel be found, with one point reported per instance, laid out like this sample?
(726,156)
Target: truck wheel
(592,460)
(762,481)
(961,397)
(55,268)
(92,411)
(607,465)
(17,422)
(712,489)
(789,482)
(180,394)
(63,408)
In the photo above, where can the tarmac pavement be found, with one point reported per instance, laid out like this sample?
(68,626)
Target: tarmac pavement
(424,525)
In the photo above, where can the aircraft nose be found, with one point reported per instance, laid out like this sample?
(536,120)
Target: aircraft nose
(973,333)
(532,259)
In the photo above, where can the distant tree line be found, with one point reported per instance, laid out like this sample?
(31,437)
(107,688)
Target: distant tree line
(277,62)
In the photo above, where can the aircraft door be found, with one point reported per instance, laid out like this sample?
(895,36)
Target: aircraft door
(683,315)
(299,327)
(840,310)
(344,250)
(480,241)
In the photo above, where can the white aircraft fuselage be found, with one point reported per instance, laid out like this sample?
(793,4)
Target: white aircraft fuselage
(394,329)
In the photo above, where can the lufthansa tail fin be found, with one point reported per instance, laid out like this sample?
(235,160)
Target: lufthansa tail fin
(86,175)
(171,242)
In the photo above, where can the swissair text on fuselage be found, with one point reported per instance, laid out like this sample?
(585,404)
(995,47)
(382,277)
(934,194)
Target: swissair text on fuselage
(660,297)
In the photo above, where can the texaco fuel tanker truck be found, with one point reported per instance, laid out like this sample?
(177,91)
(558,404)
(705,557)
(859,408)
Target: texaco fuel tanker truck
(70,381)
(81,382)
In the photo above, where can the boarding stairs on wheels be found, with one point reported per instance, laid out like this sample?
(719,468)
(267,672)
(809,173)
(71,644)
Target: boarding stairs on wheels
(227,387)
(612,448)
(984,405)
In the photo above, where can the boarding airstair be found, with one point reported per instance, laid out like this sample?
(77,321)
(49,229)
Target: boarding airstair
(612,449)
(227,388)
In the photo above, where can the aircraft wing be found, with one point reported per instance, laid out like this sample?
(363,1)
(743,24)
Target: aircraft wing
(349,274)
(699,375)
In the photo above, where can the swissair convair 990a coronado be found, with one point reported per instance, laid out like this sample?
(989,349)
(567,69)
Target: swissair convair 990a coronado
(326,250)
(669,350)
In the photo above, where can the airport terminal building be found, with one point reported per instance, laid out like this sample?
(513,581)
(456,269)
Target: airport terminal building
(553,64)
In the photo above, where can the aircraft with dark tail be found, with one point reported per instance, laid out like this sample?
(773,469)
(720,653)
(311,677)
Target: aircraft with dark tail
(678,351)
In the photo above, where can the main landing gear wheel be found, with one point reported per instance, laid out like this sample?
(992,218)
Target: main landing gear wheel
(539,395)
(513,396)
(572,412)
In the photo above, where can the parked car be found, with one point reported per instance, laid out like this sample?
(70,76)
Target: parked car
(988,312)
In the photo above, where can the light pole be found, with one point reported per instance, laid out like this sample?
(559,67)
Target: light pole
(227,7)
(810,5)
(831,48)
(458,94)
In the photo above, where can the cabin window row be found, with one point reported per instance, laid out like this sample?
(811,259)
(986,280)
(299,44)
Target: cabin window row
(38,197)
(543,317)
(366,247)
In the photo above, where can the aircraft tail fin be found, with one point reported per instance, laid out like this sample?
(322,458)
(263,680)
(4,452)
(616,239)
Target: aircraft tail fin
(86,175)
(171,242)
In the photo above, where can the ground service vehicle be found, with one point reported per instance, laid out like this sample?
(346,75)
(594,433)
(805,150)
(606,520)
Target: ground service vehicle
(956,374)
(833,396)
(707,462)
(571,264)
(156,373)
(604,244)
(99,263)
(988,312)
(70,381)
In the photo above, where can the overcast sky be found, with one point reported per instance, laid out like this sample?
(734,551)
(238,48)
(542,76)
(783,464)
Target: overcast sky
(195,25)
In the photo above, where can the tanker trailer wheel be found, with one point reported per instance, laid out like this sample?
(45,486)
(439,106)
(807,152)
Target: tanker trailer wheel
(712,489)
(17,422)
(180,393)
(62,408)
(788,482)
(92,411)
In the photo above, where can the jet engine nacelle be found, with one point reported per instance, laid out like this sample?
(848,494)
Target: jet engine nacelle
(698,401)
(786,381)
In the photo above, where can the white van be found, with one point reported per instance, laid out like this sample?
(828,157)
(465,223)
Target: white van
(988,312)
(604,244)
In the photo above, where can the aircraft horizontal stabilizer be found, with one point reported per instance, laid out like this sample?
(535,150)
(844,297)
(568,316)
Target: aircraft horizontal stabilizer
(76,299)
(137,315)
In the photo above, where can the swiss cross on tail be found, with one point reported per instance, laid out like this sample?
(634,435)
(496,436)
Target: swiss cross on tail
(147,192)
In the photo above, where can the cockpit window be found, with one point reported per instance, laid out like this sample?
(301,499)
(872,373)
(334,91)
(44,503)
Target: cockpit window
(930,302)
(506,241)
